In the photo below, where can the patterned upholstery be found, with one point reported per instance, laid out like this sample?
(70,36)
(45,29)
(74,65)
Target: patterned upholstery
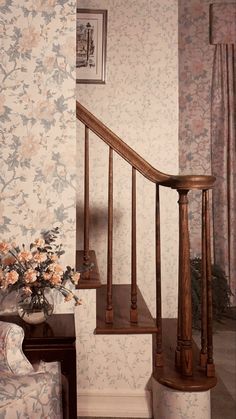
(24,392)
(12,358)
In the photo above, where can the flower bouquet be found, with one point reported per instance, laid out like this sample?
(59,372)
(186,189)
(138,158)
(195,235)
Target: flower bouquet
(33,272)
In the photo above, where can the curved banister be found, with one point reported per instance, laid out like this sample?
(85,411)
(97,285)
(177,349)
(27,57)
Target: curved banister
(133,158)
(186,367)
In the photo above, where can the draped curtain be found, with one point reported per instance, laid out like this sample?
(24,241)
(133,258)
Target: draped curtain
(223,138)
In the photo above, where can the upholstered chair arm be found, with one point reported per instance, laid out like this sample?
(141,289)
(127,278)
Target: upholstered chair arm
(12,358)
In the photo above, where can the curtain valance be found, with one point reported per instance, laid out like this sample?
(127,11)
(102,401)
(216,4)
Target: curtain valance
(223,23)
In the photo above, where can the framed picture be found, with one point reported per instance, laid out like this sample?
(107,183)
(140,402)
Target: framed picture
(91,34)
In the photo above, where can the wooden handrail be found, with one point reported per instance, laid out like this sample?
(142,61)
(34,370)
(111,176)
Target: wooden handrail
(136,161)
(185,362)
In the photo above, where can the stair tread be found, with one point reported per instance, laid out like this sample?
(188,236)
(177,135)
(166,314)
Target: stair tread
(91,279)
(121,303)
(168,375)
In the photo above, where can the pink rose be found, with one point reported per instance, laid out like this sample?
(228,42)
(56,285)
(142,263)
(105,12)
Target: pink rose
(54,267)
(25,256)
(30,276)
(55,279)
(4,247)
(11,277)
(40,257)
(47,276)
(39,242)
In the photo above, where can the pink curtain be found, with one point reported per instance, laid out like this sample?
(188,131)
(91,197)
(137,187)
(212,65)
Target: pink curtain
(223,138)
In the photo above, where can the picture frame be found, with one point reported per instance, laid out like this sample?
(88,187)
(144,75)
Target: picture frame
(91,42)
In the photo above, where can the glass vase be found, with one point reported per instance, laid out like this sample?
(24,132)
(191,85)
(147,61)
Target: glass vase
(36,307)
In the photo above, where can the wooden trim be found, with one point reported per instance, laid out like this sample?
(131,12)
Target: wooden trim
(133,307)
(86,196)
(133,158)
(185,300)
(114,403)
(159,353)
(102,51)
(203,353)
(109,307)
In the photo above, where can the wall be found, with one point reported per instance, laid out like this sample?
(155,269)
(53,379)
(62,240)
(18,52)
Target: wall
(139,102)
(37,115)
(37,111)
(195,74)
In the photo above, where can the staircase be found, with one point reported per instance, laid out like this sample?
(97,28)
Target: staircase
(121,309)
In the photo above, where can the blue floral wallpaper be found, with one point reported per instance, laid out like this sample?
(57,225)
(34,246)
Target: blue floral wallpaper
(139,102)
(37,119)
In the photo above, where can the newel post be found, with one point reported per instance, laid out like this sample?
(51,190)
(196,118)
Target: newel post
(184,345)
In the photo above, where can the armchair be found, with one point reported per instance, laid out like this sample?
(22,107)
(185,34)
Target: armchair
(26,392)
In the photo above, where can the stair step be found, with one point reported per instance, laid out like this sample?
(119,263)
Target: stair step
(168,375)
(121,303)
(90,279)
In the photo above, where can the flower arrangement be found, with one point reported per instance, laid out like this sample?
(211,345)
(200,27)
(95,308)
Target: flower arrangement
(37,268)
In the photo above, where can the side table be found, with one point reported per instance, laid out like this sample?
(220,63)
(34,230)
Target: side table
(53,340)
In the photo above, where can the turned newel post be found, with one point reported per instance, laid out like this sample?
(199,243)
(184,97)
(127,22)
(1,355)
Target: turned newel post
(185,298)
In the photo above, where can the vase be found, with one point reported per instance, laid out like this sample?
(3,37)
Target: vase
(36,307)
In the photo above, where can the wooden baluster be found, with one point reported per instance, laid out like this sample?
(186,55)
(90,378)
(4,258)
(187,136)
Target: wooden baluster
(133,308)
(210,362)
(203,352)
(109,309)
(159,353)
(178,346)
(186,353)
(86,200)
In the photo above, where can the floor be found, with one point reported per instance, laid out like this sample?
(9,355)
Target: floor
(223,396)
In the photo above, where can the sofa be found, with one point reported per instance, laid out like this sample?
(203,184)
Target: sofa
(26,391)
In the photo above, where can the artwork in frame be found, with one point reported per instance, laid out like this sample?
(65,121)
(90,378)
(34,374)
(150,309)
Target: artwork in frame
(91,33)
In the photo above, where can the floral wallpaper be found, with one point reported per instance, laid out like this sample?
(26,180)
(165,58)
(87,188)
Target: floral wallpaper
(37,119)
(139,102)
(172,404)
(126,365)
(195,75)
(117,364)
(223,139)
